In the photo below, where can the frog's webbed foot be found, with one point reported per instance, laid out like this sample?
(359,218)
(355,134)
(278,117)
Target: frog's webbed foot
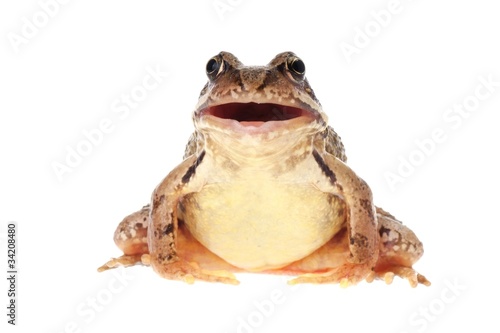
(346,275)
(190,272)
(350,274)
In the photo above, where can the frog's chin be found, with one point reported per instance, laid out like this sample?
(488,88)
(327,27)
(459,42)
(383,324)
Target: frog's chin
(254,118)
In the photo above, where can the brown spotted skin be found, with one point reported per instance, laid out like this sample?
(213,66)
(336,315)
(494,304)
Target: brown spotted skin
(264,187)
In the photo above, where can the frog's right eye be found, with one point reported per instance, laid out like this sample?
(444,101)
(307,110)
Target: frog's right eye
(296,68)
(214,67)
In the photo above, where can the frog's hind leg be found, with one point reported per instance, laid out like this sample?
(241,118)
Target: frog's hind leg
(399,250)
(131,237)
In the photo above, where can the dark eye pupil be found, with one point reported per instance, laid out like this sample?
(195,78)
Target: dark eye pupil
(298,66)
(212,66)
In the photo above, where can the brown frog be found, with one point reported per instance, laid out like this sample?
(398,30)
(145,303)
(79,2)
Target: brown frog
(264,188)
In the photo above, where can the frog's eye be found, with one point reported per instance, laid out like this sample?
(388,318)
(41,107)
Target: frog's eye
(214,67)
(296,68)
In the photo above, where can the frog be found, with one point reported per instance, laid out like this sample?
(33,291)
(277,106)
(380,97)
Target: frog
(264,187)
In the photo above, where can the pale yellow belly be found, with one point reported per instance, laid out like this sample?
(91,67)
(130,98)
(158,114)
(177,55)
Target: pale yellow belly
(262,225)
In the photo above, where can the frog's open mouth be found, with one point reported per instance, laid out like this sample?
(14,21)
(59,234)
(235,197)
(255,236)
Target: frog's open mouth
(255,114)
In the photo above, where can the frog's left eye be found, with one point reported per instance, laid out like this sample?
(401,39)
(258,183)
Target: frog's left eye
(297,68)
(214,67)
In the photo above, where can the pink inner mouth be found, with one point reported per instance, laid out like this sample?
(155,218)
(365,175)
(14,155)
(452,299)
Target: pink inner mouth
(254,114)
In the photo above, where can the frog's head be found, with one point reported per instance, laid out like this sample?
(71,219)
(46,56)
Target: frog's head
(257,104)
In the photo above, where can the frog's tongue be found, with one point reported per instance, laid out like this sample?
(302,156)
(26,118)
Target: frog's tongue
(254,114)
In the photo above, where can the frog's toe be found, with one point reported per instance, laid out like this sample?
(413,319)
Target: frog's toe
(124,260)
(408,273)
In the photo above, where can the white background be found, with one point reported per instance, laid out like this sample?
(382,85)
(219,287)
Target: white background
(64,80)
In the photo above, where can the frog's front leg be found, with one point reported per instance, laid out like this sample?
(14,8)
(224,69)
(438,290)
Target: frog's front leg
(163,227)
(361,223)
